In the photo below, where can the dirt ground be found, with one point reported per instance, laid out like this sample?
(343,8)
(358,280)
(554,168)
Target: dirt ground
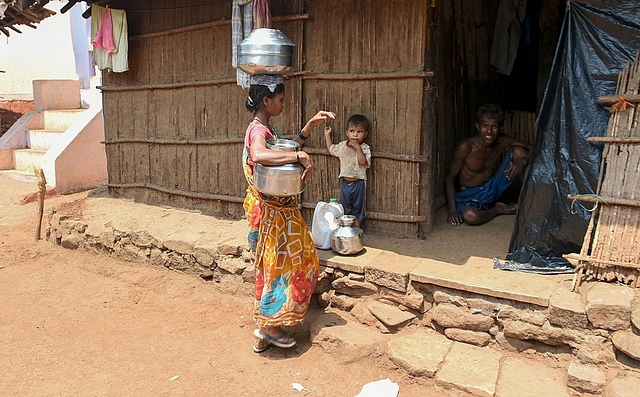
(80,324)
(11,111)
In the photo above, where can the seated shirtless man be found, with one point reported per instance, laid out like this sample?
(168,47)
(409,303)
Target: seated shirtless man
(481,176)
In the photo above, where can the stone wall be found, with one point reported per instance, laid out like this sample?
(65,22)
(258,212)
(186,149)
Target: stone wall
(588,325)
(207,262)
(597,329)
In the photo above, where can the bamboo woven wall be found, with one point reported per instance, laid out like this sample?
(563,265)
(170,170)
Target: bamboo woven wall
(368,57)
(352,68)
(174,123)
(520,124)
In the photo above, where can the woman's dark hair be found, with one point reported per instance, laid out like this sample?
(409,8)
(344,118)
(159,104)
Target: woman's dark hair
(490,110)
(257,93)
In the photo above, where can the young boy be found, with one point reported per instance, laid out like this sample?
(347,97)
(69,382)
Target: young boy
(355,158)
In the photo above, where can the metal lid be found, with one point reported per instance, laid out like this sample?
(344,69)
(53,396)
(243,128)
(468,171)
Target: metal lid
(283,144)
(265,41)
(346,220)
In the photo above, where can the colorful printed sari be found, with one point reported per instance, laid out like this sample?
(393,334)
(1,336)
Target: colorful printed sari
(286,260)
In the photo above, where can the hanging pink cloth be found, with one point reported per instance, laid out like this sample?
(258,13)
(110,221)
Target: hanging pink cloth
(104,37)
(261,14)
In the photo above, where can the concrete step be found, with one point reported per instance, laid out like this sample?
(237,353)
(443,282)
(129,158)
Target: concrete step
(28,159)
(524,377)
(60,119)
(471,369)
(54,119)
(24,176)
(43,139)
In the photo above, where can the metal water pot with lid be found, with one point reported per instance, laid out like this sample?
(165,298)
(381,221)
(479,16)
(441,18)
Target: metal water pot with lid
(279,180)
(265,51)
(347,238)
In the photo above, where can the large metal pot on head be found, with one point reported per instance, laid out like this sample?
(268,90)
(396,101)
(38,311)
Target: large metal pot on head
(279,180)
(265,51)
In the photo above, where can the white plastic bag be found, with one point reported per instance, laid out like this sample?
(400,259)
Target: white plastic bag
(380,388)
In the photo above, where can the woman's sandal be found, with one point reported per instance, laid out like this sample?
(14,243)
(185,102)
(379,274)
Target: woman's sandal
(261,346)
(276,339)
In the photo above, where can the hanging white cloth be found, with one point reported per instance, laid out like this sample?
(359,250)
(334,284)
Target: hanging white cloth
(116,60)
(3,7)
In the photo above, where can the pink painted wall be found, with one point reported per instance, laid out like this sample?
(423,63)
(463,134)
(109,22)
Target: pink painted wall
(79,162)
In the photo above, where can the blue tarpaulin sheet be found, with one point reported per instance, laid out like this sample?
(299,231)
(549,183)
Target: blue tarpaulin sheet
(597,40)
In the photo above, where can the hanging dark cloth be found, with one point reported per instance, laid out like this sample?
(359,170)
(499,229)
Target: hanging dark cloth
(506,35)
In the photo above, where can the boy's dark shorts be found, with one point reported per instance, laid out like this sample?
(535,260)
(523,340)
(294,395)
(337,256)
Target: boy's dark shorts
(353,197)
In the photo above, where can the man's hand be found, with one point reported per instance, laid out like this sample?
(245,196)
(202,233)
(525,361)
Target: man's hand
(455,218)
(515,169)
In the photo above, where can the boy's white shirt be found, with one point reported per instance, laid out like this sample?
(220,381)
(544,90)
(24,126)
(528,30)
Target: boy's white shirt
(349,166)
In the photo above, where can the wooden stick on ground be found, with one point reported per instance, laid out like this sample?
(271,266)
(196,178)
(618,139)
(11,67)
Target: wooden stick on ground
(42,188)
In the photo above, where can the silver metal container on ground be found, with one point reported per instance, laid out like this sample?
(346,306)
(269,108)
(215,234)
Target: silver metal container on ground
(279,180)
(265,51)
(347,238)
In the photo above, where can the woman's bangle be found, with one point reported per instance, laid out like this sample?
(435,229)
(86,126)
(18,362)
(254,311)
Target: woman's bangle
(297,157)
(302,136)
